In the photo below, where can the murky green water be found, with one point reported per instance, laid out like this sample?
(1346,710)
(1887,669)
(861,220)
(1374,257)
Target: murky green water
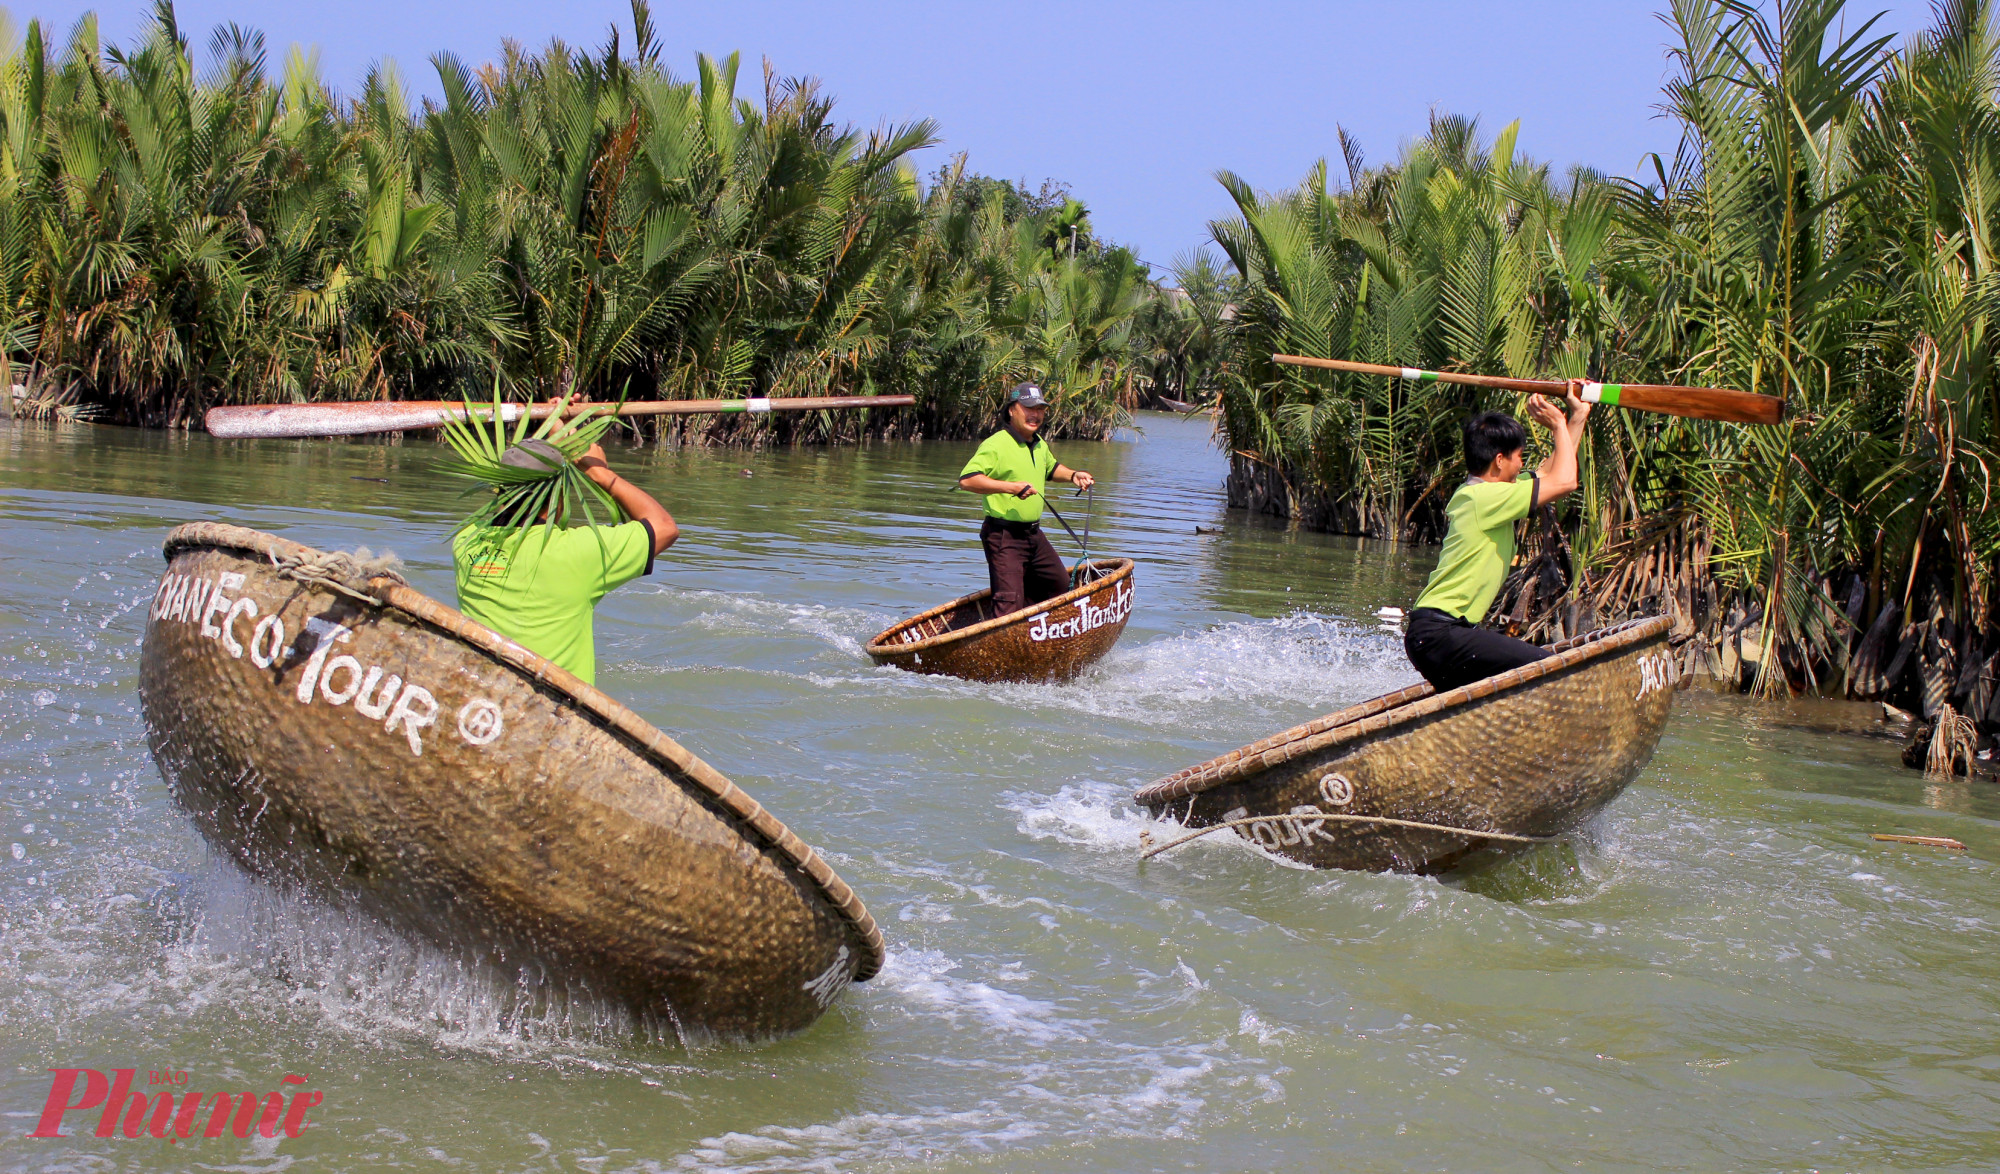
(1724,972)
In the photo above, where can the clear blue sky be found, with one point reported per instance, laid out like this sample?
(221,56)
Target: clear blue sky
(1134,104)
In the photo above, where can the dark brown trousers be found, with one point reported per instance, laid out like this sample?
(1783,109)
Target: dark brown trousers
(1023,567)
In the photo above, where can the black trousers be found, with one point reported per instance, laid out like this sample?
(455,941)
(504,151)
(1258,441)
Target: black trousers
(1450,651)
(1023,567)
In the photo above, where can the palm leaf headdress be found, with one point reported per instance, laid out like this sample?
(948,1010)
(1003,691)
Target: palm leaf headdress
(528,477)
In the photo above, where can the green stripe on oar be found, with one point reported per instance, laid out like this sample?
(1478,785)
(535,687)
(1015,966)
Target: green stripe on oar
(1603,393)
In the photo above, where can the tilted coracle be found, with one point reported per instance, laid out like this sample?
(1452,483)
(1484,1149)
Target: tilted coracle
(1526,754)
(1053,640)
(329,727)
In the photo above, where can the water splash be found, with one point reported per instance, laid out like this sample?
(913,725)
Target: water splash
(923,981)
(1098,816)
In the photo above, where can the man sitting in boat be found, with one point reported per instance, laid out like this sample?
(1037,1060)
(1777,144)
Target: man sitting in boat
(538,585)
(1445,641)
(1010,468)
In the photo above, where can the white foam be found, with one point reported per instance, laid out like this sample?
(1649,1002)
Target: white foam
(1249,1024)
(1168,1085)
(1242,674)
(923,980)
(1087,815)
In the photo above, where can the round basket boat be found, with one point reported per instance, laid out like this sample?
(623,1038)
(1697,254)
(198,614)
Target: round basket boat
(1053,640)
(348,734)
(1524,755)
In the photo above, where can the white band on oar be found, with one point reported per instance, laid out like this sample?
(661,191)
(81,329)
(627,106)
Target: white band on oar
(1412,373)
(754,404)
(1592,392)
(509,412)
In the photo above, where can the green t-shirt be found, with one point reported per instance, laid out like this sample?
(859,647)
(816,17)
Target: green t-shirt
(1479,546)
(539,587)
(1004,458)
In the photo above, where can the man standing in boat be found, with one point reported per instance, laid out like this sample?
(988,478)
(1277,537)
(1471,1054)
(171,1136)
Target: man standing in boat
(538,585)
(1445,641)
(1011,468)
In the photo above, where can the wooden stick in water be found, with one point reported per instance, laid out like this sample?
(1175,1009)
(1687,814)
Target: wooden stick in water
(274,421)
(1925,841)
(1698,403)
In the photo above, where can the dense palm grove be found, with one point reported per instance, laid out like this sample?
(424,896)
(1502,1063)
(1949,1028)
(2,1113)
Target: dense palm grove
(1827,232)
(175,235)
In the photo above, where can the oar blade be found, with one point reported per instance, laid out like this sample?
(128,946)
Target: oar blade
(290,421)
(1697,403)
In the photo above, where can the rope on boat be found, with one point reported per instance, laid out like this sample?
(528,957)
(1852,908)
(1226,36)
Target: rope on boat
(340,571)
(1375,819)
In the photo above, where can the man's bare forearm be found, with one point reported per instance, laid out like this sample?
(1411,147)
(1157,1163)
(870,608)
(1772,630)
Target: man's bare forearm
(638,505)
(980,483)
(1558,472)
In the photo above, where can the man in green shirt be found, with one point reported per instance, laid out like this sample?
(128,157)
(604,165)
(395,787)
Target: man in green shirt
(1010,468)
(1445,641)
(539,585)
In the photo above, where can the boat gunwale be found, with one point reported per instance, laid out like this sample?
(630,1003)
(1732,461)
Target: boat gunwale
(390,591)
(1121,568)
(1388,710)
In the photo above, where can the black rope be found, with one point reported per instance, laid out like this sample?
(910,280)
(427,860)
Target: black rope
(1083,566)
(1050,503)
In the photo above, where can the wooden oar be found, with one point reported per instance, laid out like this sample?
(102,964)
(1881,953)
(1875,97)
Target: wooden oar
(1699,403)
(360,419)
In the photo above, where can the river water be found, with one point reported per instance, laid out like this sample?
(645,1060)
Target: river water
(1722,972)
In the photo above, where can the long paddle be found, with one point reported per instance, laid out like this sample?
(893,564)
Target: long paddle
(360,419)
(1699,403)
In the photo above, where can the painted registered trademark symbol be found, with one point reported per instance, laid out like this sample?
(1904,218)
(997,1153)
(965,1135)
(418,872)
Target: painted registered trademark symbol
(479,721)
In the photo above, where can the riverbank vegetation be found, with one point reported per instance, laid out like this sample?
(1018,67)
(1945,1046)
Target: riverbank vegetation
(1827,232)
(174,236)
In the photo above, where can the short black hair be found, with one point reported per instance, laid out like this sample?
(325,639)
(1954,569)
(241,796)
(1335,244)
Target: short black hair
(1491,434)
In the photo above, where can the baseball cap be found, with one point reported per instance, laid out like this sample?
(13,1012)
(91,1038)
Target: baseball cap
(1027,395)
(534,456)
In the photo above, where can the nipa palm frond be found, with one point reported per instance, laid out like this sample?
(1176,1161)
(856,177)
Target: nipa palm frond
(528,479)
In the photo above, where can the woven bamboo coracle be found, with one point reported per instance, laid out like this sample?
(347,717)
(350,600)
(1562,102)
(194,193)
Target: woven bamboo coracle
(1053,640)
(331,728)
(1527,754)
